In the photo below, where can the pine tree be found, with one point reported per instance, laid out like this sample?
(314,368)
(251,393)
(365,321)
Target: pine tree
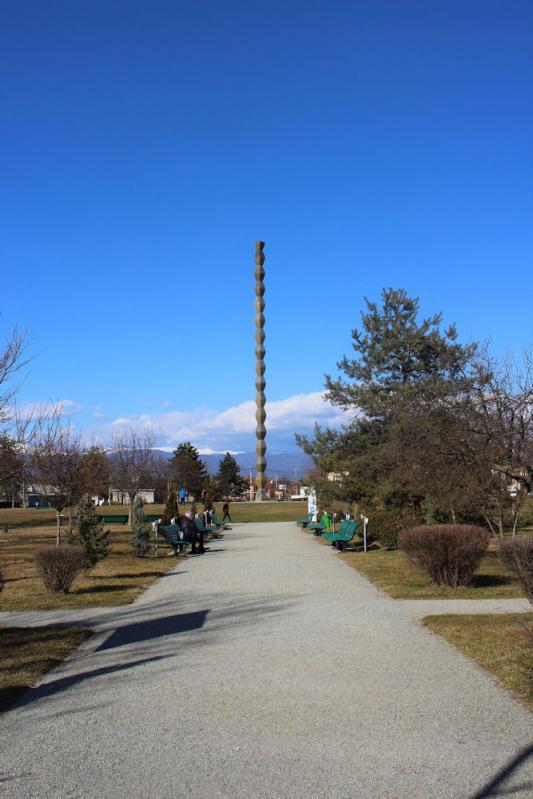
(396,352)
(228,478)
(89,533)
(171,508)
(188,470)
(403,365)
(140,538)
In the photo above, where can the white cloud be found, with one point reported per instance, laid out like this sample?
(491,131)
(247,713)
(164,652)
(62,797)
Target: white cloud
(218,430)
(45,410)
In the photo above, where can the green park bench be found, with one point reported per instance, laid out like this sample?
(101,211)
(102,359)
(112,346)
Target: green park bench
(306,521)
(204,528)
(172,534)
(344,534)
(322,526)
(115,518)
(153,517)
(217,522)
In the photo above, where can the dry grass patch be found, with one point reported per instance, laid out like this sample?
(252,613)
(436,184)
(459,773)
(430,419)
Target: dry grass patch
(28,653)
(502,644)
(117,580)
(394,574)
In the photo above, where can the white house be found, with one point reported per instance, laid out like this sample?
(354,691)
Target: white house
(123,497)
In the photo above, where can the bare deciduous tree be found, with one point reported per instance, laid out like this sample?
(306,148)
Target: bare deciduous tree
(16,430)
(502,423)
(57,463)
(131,464)
(469,445)
(13,358)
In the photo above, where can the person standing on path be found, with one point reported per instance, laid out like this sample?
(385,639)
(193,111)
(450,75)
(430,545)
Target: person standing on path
(225,513)
(182,496)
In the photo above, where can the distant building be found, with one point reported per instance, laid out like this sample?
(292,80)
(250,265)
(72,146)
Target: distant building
(38,495)
(119,497)
(299,492)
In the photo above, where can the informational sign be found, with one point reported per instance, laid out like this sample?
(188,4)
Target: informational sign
(311,504)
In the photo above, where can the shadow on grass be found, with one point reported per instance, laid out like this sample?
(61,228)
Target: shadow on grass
(491,580)
(98,589)
(132,576)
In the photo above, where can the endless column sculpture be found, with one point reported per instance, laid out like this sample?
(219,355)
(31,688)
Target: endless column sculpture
(260,382)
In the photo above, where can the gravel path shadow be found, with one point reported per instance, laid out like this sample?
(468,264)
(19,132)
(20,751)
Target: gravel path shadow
(265,669)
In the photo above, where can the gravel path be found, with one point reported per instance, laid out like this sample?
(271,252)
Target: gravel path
(267,668)
(417,608)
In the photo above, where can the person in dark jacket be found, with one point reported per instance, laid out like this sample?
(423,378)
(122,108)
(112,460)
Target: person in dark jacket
(192,534)
(225,512)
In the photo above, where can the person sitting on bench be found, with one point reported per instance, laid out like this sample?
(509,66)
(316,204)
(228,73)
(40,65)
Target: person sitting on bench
(191,534)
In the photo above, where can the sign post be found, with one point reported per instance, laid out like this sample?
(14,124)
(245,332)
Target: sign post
(311,504)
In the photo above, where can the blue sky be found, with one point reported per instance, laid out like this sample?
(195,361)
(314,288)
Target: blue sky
(145,146)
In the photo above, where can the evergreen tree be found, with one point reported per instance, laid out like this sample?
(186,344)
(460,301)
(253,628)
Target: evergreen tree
(188,470)
(400,363)
(140,538)
(228,477)
(396,352)
(89,533)
(171,508)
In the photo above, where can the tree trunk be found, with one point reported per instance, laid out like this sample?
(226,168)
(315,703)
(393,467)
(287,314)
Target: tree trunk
(490,525)
(58,529)
(12,499)
(454,518)
(69,520)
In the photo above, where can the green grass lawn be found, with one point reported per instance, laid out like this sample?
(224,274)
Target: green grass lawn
(239,511)
(398,577)
(28,653)
(502,644)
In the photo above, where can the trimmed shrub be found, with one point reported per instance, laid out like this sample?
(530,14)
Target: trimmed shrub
(58,567)
(449,553)
(517,555)
(171,508)
(140,537)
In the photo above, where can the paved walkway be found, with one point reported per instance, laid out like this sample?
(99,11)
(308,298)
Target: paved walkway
(267,668)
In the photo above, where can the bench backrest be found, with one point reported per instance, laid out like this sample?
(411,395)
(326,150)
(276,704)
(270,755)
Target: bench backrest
(348,526)
(172,532)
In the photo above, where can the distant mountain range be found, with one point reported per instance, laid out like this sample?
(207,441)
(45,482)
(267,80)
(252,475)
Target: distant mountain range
(283,464)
